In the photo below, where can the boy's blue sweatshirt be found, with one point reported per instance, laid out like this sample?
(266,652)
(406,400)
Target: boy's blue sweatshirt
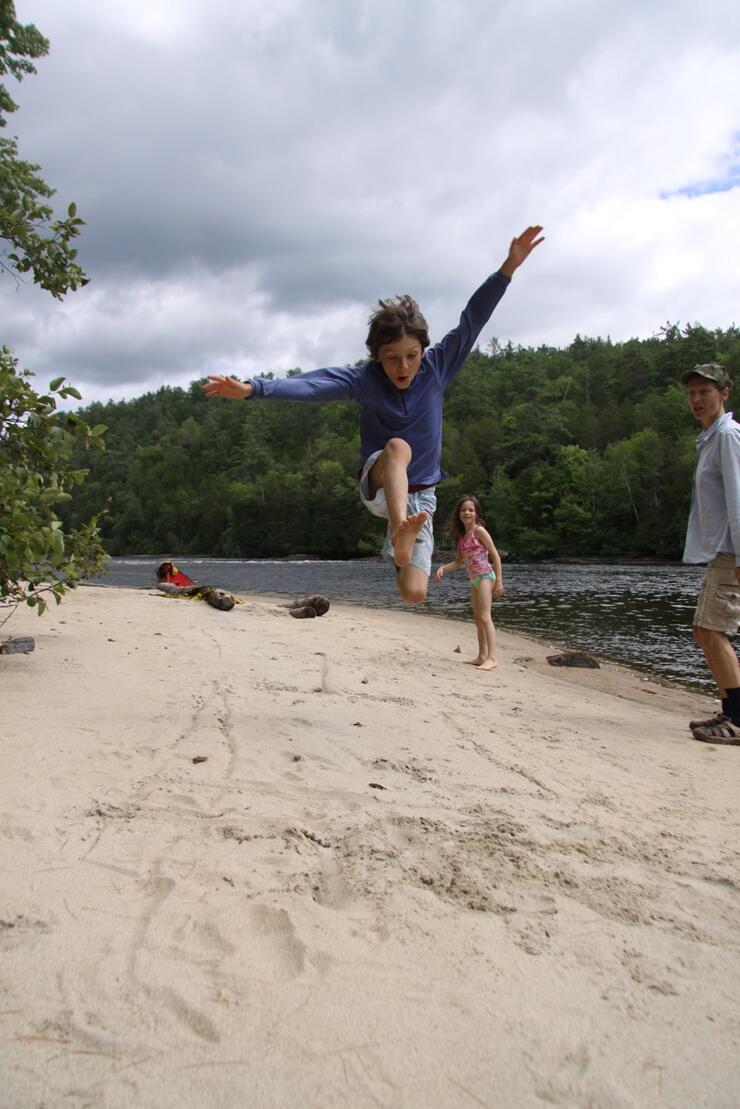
(413,414)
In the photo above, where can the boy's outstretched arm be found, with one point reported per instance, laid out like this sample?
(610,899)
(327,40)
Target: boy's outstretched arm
(520,249)
(218,386)
(447,357)
(329,383)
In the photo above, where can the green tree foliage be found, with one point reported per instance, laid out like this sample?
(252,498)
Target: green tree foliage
(37,442)
(31,239)
(581,452)
(36,474)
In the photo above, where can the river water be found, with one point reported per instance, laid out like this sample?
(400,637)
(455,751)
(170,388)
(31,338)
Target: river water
(635,614)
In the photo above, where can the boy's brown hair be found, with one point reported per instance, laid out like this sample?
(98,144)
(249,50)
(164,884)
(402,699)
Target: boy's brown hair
(394,318)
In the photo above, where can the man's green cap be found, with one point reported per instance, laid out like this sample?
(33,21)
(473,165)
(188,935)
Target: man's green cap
(710,371)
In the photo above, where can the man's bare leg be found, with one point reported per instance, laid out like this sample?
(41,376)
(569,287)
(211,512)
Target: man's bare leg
(721,658)
(390,473)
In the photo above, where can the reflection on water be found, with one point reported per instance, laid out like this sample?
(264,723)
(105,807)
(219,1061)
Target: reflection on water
(639,615)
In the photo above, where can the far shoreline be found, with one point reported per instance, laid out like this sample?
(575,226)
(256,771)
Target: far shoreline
(551,644)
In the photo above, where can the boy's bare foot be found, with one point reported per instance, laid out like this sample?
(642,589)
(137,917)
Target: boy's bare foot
(473,661)
(403,540)
(488,664)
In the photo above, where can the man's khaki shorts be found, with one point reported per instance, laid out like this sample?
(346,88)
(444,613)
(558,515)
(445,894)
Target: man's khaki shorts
(718,607)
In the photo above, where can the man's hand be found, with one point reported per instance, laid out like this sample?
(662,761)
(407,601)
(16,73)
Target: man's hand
(521,248)
(218,386)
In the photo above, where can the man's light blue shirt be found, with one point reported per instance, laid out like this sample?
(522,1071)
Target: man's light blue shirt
(714,519)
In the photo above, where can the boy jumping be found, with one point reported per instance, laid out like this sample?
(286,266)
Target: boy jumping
(400,392)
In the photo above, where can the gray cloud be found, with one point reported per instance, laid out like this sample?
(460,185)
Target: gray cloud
(253,179)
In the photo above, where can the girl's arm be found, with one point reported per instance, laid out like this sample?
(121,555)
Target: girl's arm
(488,543)
(449,568)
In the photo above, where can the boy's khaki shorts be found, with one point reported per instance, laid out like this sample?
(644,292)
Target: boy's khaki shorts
(718,606)
(423,501)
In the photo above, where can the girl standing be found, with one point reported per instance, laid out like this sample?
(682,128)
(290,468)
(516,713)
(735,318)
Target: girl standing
(474,548)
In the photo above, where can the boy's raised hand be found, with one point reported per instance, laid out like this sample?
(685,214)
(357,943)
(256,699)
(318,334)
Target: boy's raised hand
(219,386)
(520,249)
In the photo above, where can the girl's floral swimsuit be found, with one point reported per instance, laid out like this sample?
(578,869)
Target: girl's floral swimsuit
(475,559)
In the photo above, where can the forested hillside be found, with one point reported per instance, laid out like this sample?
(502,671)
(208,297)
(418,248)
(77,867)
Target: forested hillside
(584,451)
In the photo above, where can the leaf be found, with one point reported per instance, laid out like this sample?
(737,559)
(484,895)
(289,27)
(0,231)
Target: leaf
(54,385)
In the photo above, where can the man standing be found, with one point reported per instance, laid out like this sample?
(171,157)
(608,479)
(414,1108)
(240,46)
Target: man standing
(713,536)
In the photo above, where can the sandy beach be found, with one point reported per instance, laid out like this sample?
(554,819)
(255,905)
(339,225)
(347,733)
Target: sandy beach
(394,880)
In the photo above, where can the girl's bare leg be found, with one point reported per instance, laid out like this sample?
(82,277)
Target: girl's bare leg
(482,608)
(482,645)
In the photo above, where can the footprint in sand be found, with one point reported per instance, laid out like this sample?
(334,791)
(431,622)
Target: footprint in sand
(269,948)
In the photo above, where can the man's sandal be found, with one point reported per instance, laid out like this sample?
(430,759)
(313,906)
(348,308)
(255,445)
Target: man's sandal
(725,732)
(718,718)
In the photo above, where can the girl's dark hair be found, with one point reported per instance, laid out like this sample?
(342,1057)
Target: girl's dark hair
(455,529)
(394,318)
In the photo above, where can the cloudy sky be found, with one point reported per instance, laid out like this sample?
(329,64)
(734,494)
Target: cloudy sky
(254,174)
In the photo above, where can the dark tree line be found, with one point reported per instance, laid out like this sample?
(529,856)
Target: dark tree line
(583,451)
